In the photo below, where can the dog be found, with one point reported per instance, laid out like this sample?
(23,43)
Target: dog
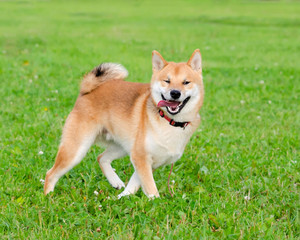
(152,123)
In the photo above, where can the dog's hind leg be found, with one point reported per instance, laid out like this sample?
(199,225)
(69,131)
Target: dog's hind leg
(112,152)
(132,186)
(78,136)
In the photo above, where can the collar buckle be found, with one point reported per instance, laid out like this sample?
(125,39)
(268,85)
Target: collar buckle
(185,125)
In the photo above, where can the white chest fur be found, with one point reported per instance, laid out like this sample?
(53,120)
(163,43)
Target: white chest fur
(166,144)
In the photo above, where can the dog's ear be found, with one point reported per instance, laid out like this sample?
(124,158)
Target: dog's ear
(195,62)
(158,62)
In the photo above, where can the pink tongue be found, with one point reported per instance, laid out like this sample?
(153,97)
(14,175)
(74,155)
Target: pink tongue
(164,103)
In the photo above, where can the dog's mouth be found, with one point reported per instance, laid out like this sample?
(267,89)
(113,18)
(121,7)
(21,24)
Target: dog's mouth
(173,107)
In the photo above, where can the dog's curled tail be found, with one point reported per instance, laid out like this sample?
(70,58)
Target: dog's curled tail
(100,74)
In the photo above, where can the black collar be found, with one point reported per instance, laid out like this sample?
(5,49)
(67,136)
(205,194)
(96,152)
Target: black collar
(172,122)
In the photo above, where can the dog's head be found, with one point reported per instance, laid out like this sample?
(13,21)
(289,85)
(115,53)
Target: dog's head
(177,87)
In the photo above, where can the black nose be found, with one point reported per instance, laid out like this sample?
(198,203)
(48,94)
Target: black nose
(175,94)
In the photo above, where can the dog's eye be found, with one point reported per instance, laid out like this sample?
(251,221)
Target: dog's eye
(185,82)
(167,81)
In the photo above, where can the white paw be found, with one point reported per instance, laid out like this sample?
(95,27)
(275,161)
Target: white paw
(124,193)
(48,190)
(117,183)
(153,196)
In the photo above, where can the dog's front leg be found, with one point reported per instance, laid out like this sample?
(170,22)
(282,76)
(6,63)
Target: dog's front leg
(143,167)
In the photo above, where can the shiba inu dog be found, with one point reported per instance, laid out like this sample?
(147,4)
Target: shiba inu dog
(152,123)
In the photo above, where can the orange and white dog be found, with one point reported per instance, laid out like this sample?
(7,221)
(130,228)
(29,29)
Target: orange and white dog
(151,123)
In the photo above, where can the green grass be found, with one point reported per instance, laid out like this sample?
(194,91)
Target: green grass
(239,176)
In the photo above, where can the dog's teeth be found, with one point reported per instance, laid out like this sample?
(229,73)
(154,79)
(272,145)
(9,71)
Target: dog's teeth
(173,110)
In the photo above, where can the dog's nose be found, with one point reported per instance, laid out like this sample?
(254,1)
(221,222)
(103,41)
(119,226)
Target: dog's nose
(175,94)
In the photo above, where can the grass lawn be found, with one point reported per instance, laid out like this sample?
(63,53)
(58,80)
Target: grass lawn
(239,176)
